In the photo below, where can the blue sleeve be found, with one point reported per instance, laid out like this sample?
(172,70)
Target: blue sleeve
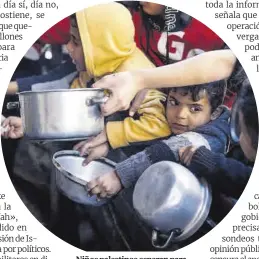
(132,168)
(64,73)
(225,174)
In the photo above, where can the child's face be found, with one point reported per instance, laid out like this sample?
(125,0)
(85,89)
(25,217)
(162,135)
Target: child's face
(152,9)
(245,140)
(183,114)
(75,48)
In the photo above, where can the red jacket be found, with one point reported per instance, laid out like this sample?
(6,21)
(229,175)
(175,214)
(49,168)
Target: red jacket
(194,39)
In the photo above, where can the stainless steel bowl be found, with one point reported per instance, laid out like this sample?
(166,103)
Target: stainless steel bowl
(72,177)
(172,200)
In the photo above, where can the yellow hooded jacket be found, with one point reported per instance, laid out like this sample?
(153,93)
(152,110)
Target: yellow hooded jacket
(107,35)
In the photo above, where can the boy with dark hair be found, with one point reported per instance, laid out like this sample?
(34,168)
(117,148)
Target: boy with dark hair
(212,93)
(195,117)
(228,175)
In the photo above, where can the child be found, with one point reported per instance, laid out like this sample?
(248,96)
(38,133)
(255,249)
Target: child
(227,175)
(195,117)
(100,45)
(107,34)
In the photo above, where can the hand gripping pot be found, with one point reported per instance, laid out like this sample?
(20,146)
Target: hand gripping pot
(173,201)
(72,176)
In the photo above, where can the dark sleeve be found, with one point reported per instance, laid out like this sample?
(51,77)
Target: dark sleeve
(132,168)
(225,174)
(62,71)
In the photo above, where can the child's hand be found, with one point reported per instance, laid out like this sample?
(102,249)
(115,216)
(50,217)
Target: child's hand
(137,101)
(84,146)
(105,186)
(96,153)
(12,128)
(186,154)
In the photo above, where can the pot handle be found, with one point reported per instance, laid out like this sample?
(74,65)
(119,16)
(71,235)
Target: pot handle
(155,237)
(12,105)
(94,101)
(57,165)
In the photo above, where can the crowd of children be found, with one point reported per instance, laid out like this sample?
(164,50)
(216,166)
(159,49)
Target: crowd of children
(182,119)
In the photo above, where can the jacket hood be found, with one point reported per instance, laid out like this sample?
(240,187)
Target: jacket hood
(107,35)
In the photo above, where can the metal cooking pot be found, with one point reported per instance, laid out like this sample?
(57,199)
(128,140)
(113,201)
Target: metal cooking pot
(65,114)
(72,177)
(173,201)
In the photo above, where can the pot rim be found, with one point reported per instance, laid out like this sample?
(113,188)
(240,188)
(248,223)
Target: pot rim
(64,90)
(47,140)
(76,154)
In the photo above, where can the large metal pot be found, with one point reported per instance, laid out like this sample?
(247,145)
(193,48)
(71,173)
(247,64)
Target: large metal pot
(72,176)
(65,114)
(173,201)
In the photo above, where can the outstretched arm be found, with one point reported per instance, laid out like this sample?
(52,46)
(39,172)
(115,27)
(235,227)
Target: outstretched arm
(204,68)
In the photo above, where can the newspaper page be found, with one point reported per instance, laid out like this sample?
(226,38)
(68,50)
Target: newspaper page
(76,183)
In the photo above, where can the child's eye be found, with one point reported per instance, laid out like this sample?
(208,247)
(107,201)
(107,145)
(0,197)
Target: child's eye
(195,109)
(172,102)
(74,40)
(75,43)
